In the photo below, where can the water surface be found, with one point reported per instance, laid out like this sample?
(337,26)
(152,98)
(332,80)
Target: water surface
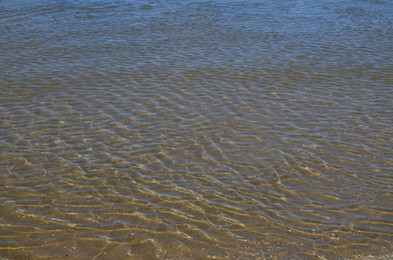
(196,129)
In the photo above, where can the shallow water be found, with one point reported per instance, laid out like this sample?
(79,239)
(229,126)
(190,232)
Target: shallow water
(196,129)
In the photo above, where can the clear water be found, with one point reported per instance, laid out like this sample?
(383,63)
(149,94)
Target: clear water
(195,129)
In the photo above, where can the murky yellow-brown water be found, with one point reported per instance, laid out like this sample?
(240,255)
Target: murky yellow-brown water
(229,129)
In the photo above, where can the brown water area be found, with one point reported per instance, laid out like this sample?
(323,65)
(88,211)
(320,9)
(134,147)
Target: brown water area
(168,129)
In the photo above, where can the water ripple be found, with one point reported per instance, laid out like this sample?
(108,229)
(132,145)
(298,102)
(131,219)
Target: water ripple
(225,129)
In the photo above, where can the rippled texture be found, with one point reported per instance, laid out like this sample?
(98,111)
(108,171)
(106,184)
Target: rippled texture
(195,129)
